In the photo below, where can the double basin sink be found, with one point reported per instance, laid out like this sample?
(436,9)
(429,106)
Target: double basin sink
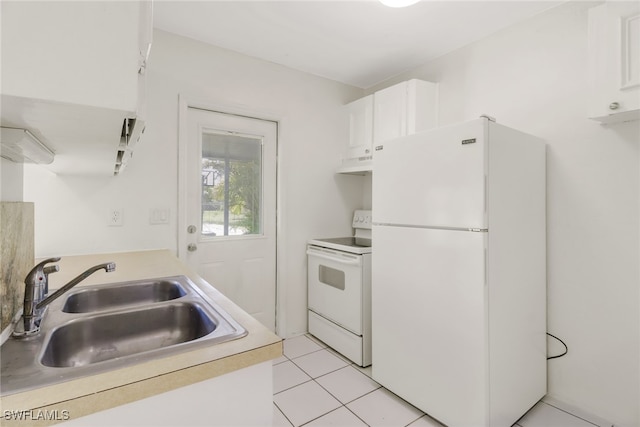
(105,327)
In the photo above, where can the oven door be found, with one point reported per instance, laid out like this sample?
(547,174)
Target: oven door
(335,286)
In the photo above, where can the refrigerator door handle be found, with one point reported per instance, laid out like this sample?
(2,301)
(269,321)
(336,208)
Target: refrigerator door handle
(486,268)
(486,194)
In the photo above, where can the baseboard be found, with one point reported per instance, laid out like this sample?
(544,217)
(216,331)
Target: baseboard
(578,412)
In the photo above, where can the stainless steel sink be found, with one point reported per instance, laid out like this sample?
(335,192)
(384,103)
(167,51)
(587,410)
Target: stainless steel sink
(97,338)
(98,298)
(100,331)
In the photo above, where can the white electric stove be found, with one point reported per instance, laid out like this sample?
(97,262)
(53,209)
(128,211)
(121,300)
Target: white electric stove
(339,290)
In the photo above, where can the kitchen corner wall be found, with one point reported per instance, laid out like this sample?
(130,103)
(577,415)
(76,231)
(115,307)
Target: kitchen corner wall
(16,257)
(71,214)
(533,77)
(11,179)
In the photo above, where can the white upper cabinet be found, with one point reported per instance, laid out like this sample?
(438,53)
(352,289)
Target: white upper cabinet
(72,73)
(399,110)
(614,62)
(360,128)
(404,109)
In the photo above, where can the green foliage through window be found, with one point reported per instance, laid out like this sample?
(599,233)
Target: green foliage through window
(231,185)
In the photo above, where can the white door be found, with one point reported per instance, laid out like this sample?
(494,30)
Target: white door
(434,179)
(229,235)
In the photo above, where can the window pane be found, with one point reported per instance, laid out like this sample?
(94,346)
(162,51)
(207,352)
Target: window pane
(331,276)
(231,184)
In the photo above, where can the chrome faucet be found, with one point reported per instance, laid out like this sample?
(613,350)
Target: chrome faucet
(36,298)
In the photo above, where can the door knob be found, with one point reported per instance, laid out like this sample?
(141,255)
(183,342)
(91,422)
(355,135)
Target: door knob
(192,247)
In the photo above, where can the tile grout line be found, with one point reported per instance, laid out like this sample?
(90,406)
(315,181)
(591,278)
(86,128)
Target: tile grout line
(282,412)
(573,415)
(333,410)
(306,354)
(349,364)
(314,380)
(423,414)
(331,372)
(289,388)
(330,394)
(356,415)
(345,404)
(293,386)
(326,373)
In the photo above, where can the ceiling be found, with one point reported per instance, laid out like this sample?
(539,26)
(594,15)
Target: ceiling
(357,42)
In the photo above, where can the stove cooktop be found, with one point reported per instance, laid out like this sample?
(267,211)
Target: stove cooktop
(358,242)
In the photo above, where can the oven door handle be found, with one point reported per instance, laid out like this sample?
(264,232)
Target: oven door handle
(354,261)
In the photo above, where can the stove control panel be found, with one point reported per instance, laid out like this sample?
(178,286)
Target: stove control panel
(361,219)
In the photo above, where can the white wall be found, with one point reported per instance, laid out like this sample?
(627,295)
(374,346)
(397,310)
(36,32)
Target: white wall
(533,77)
(71,211)
(12,181)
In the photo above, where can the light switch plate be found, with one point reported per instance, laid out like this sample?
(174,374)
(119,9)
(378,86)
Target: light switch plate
(158,216)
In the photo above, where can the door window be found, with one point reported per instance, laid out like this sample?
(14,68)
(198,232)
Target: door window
(231,184)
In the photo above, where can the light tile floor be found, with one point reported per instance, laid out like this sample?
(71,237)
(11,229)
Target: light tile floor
(315,386)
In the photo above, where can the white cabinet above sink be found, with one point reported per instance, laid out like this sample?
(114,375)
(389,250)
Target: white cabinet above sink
(72,72)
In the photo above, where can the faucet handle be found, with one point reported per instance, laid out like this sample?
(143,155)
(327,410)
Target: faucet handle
(40,269)
(47,271)
(51,269)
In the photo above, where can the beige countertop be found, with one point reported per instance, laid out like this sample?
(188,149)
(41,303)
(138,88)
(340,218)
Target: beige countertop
(113,388)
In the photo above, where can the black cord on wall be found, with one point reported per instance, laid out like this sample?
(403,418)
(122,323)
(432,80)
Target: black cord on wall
(566,349)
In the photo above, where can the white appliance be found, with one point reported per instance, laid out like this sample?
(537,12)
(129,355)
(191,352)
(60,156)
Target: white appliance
(459,272)
(339,290)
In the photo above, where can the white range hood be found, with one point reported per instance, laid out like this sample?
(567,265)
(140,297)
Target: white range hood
(86,140)
(21,146)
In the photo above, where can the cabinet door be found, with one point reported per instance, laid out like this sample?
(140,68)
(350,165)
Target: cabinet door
(145,37)
(422,106)
(390,113)
(614,62)
(360,128)
(48,60)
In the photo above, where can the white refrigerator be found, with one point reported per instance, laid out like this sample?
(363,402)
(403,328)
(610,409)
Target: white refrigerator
(459,272)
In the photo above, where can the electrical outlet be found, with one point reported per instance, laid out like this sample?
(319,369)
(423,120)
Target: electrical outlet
(115,218)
